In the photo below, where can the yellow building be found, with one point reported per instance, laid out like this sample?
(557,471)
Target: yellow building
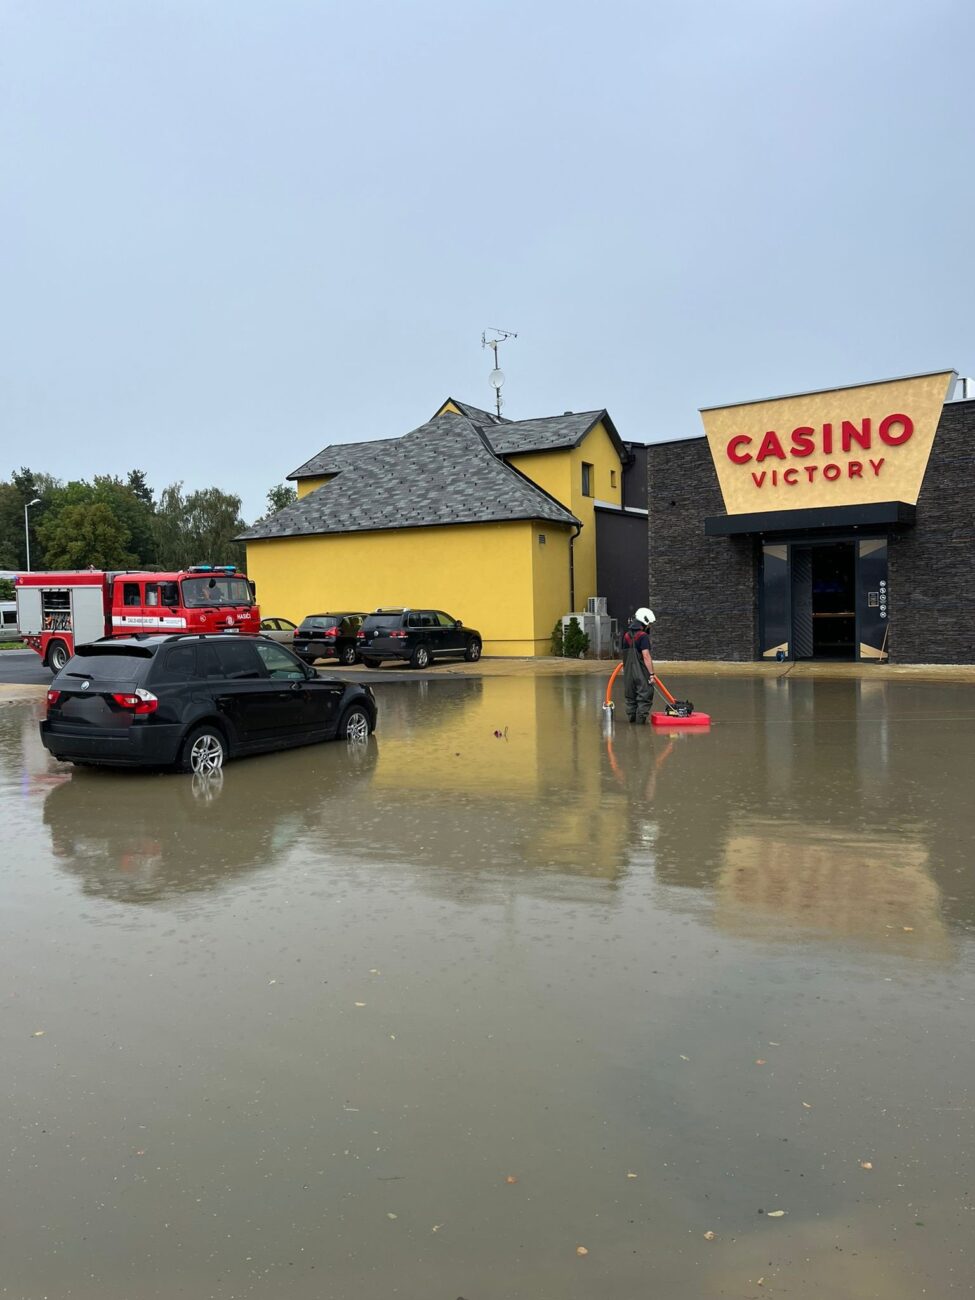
(495,521)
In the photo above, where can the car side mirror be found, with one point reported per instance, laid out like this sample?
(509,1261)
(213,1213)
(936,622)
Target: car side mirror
(458,623)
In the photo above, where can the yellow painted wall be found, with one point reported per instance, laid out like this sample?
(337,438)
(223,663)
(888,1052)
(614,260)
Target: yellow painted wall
(483,574)
(306,485)
(560,474)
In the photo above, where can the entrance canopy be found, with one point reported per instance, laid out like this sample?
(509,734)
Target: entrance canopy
(873,515)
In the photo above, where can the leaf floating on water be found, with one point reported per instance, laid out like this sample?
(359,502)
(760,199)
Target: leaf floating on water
(390,1215)
(761,1062)
(436,1227)
(38,1033)
(866,1164)
(360,1004)
(511,1179)
(908,929)
(776,1214)
(807,1105)
(581,1250)
(630,1174)
(684,1058)
(709,1236)
(760,1282)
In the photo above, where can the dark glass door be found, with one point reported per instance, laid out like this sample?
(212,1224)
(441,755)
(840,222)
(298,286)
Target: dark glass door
(776,616)
(872,604)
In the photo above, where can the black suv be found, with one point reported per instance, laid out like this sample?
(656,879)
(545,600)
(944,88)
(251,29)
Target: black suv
(192,701)
(328,636)
(419,635)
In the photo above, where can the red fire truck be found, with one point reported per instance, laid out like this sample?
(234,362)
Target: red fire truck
(56,611)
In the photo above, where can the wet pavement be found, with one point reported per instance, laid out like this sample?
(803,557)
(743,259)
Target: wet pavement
(431,1017)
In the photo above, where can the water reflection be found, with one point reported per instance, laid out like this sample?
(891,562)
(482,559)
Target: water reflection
(802,807)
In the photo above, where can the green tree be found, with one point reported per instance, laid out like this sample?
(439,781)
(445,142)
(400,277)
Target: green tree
(6,589)
(87,535)
(279,497)
(138,486)
(197,529)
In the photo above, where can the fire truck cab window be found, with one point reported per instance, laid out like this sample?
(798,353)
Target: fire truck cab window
(152,593)
(198,593)
(168,593)
(131,595)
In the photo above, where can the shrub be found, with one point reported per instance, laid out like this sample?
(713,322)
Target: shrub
(558,647)
(575,642)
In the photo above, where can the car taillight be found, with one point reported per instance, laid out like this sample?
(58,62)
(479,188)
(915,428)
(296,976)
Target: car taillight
(398,635)
(331,631)
(53,697)
(139,702)
(360,636)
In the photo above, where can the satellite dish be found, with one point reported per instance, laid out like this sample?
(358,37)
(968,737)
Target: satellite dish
(496,378)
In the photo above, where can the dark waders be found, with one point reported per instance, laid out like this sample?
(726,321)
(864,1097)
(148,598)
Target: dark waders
(636,682)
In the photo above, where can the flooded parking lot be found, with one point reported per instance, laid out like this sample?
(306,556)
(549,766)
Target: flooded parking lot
(499,1007)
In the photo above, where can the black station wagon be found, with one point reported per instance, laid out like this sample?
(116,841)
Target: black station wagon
(418,635)
(194,701)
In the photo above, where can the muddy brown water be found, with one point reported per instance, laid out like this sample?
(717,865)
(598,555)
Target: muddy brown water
(295,1034)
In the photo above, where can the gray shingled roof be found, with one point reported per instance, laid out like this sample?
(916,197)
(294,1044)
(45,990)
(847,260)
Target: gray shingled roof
(340,456)
(483,418)
(444,472)
(546,434)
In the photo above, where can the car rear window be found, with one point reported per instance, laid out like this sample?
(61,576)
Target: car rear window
(319,620)
(107,664)
(382,620)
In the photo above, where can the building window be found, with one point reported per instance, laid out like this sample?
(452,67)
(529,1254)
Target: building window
(587,488)
(612,478)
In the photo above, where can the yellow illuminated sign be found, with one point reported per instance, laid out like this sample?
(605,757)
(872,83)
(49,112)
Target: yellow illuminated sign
(843,447)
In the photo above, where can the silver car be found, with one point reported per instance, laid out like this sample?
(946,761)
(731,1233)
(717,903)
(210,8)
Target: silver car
(281,630)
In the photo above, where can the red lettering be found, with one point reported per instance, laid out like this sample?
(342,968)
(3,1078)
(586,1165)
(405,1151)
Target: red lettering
(851,434)
(810,471)
(739,440)
(855,469)
(828,439)
(794,472)
(835,474)
(758,478)
(770,446)
(803,441)
(875,466)
(892,439)
(775,478)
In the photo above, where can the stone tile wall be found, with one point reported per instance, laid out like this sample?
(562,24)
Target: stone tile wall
(931,567)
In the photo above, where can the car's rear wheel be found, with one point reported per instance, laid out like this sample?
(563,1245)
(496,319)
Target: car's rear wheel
(473,651)
(204,751)
(347,655)
(57,656)
(372,663)
(421,657)
(355,725)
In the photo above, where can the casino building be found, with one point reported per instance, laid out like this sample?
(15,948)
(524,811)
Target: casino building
(825,525)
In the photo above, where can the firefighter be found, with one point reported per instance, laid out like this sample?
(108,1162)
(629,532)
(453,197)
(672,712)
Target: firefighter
(638,675)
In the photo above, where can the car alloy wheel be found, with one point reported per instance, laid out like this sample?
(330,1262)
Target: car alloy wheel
(420,657)
(355,726)
(347,655)
(205,753)
(473,651)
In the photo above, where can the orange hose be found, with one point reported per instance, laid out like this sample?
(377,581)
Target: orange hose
(609,685)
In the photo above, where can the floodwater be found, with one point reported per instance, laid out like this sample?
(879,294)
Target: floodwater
(434,1017)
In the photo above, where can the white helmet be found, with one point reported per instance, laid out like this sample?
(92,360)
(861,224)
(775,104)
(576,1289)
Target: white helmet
(644,616)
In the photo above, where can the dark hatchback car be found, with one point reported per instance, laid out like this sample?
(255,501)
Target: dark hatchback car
(418,635)
(192,702)
(328,636)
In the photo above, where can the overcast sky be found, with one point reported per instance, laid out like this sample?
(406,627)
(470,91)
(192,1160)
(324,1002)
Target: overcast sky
(233,232)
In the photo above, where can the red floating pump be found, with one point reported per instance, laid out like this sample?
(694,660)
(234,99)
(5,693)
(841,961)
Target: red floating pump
(680,713)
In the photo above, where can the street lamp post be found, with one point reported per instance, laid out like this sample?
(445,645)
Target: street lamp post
(27,506)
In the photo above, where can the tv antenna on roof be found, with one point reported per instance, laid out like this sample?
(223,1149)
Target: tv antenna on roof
(496,377)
